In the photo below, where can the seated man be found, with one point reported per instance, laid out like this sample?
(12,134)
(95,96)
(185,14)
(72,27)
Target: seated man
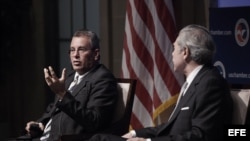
(204,104)
(85,98)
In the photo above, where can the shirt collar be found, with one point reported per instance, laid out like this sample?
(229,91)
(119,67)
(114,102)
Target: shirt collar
(80,77)
(192,75)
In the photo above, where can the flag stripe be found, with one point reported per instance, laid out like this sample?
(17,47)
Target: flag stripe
(132,75)
(149,34)
(169,24)
(128,49)
(146,16)
(159,58)
(138,47)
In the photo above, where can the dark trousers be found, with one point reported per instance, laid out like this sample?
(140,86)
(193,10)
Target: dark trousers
(106,137)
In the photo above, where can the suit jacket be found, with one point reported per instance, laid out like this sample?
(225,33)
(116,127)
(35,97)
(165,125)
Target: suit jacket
(201,113)
(87,109)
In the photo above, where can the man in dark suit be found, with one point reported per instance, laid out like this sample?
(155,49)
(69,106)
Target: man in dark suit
(85,99)
(204,106)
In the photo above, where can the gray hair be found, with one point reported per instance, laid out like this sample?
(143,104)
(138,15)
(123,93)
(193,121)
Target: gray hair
(199,42)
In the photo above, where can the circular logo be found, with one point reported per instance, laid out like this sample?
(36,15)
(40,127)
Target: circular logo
(241,32)
(221,68)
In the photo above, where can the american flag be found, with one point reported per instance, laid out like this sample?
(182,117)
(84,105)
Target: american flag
(149,34)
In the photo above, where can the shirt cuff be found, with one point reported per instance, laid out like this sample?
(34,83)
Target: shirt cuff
(132,132)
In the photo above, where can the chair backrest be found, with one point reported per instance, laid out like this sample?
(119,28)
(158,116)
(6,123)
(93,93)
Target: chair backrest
(241,106)
(123,111)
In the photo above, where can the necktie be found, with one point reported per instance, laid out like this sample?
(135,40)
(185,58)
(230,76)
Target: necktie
(47,128)
(45,135)
(183,88)
(73,84)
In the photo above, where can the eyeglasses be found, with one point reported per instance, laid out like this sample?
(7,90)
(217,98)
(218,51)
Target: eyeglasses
(79,50)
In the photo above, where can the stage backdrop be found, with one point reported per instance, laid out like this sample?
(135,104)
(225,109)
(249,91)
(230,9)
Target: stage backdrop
(230,29)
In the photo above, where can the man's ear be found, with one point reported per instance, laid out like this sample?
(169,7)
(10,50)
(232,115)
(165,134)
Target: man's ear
(97,54)
(186,52)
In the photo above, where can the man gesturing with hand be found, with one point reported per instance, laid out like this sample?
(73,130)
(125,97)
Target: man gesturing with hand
(56,84)
(84,95)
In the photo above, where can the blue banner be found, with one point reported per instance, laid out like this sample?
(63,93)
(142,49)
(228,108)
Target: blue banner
(230,30)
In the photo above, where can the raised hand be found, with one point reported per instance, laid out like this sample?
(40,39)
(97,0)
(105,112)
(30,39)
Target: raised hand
(57,85)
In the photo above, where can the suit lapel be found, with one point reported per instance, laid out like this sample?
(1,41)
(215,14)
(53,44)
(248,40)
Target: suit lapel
(185,99)
(83,82)
(193,86)
(79,87)
(189,93)
(69,79)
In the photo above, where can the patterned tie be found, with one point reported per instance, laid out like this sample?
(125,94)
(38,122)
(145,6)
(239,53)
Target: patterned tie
(183,88)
